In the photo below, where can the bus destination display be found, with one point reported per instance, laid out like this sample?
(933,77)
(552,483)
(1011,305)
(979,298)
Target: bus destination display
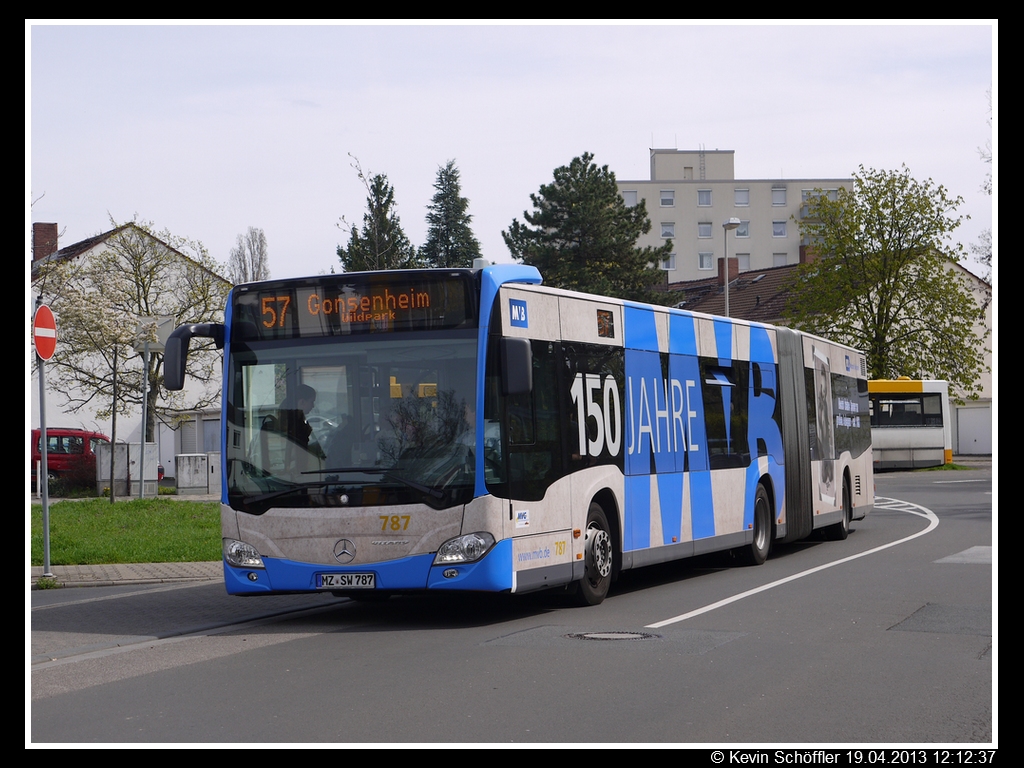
(294,309)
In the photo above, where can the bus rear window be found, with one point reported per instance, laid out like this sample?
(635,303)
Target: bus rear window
(906,410)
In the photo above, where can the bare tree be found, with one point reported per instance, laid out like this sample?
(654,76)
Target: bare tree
(248,262)
(983,248)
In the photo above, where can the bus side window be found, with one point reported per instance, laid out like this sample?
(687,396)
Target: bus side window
(725,413)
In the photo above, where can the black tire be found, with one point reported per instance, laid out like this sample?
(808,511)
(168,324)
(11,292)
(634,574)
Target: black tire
(599,554)
(840,530)
(757,551)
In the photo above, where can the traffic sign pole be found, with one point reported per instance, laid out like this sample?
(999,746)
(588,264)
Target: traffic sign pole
(44,336)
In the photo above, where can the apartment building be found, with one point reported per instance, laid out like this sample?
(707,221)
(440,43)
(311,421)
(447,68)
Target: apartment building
(692,193)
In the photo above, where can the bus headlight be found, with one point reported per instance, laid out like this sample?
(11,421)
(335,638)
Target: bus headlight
(464,549)
(242,555)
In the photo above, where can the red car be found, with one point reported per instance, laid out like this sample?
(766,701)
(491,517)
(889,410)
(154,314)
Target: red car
(70,454)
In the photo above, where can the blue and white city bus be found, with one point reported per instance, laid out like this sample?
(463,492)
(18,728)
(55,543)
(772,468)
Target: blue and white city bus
(388,432)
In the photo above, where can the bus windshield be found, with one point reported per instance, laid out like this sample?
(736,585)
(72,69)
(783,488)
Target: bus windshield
(369,421)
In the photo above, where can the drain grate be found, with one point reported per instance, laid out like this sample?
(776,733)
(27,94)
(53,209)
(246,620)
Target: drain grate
(612,636)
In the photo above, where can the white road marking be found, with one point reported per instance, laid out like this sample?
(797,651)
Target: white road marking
(972,555)
(880,503)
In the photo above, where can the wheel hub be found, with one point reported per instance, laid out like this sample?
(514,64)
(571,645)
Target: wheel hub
(599,552)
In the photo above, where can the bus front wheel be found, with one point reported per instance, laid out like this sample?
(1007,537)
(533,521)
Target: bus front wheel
(598,555)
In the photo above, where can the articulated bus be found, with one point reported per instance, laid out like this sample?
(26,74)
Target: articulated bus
(471,429)
(910,424)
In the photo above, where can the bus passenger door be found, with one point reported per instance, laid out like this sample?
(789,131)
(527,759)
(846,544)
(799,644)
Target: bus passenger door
(823,441)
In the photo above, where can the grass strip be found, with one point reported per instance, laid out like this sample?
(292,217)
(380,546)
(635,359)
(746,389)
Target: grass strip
(96,532)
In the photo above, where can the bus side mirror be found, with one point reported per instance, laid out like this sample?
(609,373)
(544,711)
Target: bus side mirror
(516,366)
(176,350)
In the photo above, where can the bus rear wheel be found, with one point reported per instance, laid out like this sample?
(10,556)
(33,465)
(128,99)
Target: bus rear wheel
(839,531)
(598,556)
(757,551)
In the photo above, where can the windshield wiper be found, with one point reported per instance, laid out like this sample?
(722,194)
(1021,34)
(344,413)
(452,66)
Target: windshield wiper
(432,492)
(282,492)
(367,470)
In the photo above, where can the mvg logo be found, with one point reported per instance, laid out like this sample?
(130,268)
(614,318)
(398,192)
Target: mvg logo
(517,313)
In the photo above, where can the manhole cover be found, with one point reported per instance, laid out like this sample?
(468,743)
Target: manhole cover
(612,636)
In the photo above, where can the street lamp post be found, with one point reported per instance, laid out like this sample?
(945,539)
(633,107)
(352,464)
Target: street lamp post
(732,223)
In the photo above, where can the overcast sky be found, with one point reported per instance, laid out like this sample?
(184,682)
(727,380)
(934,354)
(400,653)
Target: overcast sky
(207,130)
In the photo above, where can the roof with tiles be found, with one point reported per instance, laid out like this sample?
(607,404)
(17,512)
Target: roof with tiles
(760,294)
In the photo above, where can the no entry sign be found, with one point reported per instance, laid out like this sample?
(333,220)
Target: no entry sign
(44,332)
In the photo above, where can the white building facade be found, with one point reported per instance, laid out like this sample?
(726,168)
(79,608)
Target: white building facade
(186,431)
(692,193)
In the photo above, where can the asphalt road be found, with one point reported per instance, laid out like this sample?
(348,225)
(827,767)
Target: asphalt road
(885,638)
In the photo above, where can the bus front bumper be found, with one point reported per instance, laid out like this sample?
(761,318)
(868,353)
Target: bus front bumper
(491,573)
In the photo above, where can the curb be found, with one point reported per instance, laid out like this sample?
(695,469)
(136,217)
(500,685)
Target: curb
(130,573)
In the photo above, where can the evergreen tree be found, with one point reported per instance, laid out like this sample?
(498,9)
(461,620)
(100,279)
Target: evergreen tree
(583,236)
(382,244)
(450,240)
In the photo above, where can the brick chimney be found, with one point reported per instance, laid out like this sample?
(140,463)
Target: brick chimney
(734,270)
(44,240)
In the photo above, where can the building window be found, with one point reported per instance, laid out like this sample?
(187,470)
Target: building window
(211,435)
(778,195)
(779,259)
(629,197)
(830,194)
(743,230)
(705,261)
(668,198)
(668,229)
(743,260)
(742,197)
(704,198)
(778,229)
(704,229)
(669,264)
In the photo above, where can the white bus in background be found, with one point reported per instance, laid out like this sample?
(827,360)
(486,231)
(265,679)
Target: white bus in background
(910,423)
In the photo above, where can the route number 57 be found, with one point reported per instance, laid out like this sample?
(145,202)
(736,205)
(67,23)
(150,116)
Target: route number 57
(277,315)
